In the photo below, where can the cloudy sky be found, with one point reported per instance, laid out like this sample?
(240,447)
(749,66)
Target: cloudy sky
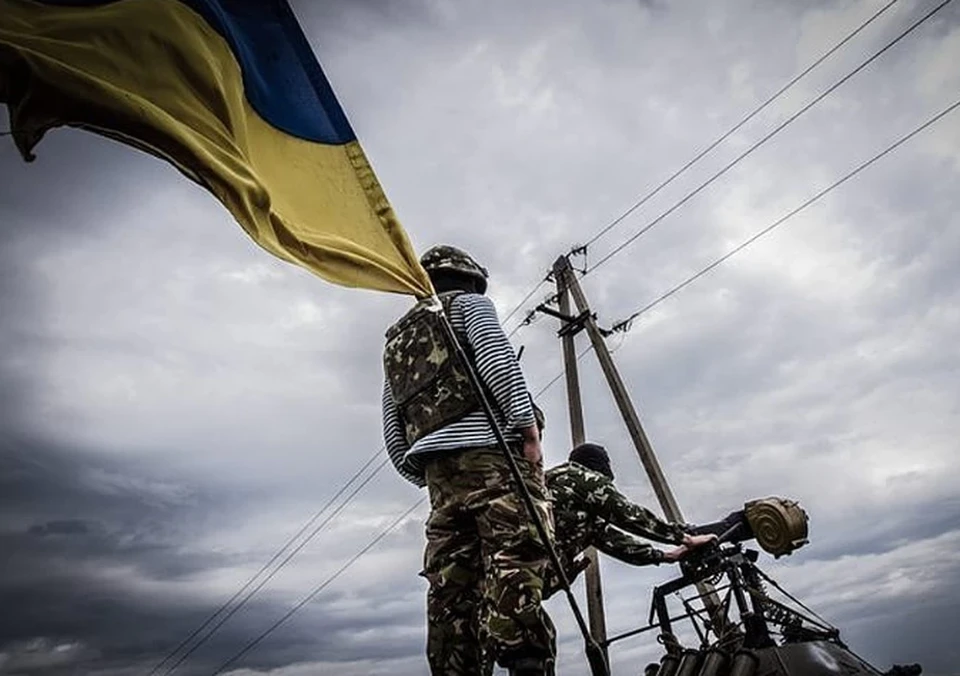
(175,404)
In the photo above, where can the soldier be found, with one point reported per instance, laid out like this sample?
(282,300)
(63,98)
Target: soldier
(484,561)
(589,511)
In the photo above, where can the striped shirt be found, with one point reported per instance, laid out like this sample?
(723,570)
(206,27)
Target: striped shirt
(473,316)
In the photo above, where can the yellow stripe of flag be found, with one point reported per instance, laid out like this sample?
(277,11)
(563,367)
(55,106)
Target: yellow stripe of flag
(156,75)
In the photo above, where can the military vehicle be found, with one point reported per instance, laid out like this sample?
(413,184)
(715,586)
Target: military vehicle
(744,623)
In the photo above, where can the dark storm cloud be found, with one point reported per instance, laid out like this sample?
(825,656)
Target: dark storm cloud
(61,527)
(54,189)
(905,614)
(89,548)
(67,520)
(898,528)
(901,634)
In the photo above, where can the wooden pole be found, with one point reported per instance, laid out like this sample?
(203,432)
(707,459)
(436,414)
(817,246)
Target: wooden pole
(668,503)
(622,397)
(594,588)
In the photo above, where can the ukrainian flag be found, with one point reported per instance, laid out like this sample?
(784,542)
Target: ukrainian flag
(229,91)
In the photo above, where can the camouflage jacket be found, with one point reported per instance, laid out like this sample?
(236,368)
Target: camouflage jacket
(588,510)
(474,317)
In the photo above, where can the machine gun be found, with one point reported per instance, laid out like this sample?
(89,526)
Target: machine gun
(753,632)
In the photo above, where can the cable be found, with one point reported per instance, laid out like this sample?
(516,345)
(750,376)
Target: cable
(519,305)
(643,200)
(723,137)
(309,597)
(624,325)
(265,566)
(519,326)
(557,377)
(529,318)
(770,135)
(283,563)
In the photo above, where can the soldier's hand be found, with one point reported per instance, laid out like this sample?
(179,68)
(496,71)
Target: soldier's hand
(694,541)
(531,444)
(674,555)
(532,450)
(689,542)
(579,565)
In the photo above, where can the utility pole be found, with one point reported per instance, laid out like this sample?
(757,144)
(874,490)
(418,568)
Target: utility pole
(640,441)
(595,612)
(566,279)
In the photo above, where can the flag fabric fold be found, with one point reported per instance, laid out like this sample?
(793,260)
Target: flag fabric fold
(230,93)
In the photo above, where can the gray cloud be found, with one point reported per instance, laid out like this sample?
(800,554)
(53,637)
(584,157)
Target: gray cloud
(121,584)
(174,403)
(62,527)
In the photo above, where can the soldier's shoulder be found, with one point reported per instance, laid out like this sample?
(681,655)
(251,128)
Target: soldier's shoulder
(571,474)
(575,468)
(553,472)
(586,478)
(468,299)
(408,317)
(557,477)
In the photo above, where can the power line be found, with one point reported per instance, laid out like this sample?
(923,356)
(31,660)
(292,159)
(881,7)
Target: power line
(643,200)
(280,566)
(529,318)
(309,597)
(557,377)
(770,135)
(519,305)
(265,566)
(723,137)
(625,324)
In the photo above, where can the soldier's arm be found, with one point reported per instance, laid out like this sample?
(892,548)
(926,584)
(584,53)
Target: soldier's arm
(497,363)
(394,437)
(617,510)
(627,548)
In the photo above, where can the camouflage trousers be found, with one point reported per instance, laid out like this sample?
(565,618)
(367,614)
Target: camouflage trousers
(485,563)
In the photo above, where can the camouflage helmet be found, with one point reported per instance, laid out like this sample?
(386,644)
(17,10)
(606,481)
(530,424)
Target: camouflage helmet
(446,257)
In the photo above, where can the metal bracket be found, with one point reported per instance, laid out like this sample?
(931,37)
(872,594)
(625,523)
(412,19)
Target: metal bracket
(572,324)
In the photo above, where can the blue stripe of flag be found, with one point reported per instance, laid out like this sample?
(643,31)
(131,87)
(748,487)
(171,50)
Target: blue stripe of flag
(282,79)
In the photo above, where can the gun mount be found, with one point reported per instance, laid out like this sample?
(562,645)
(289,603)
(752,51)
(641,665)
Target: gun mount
(759,629)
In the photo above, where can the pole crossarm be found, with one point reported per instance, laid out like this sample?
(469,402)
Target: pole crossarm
(572,324)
